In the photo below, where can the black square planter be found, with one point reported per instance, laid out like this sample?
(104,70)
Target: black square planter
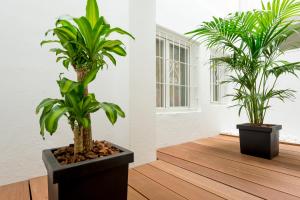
(100,178)
(259,141)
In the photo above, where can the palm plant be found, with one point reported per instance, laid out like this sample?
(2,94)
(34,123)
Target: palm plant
(254,41)
(84,44)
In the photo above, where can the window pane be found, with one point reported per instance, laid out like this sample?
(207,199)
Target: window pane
(160,75)
(160,48)
(174,73)
(176,53)
(176,96)
(183,74)
(171,95)
(183,96)
(159,95)
(182,55)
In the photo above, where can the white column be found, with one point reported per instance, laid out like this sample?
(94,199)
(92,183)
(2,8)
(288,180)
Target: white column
(142,87)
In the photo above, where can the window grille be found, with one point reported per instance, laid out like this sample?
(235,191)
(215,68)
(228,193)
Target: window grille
(176,76)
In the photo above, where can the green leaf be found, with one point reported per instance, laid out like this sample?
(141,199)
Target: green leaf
(118,50)
(85,122)
(52,119)
(92,107)
(60,58)
(68,32)
(46,102)
(111,44)
(91,76)
(110,112)
(49,41)
(64,40)
(118,109)
(120,31)
(87,100)
(111,58)
(86,31)
(73,100)
(43,117)
(65,23)
(66,64)
(92,12)
(66,85)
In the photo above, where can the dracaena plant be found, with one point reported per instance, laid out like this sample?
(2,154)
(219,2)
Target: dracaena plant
(254,41)
(83,45)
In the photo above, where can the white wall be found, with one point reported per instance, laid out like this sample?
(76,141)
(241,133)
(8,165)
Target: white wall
(142,80)
(181,17)
(184,16)
(29,74)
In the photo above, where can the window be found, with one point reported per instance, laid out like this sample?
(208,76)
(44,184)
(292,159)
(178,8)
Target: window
(217,76)
(173,71)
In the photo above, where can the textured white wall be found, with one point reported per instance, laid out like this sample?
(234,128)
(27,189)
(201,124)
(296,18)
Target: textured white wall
(29,74)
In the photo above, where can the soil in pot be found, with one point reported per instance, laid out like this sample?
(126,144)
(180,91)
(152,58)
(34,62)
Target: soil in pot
(261,125)
(65,155)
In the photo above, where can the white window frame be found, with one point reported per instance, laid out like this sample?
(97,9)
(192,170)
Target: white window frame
(216,82)
(175,39)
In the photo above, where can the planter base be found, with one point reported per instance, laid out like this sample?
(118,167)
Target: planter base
(109,184)
(261,142)
(101,178)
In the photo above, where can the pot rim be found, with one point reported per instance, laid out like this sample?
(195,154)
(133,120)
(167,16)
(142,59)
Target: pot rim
(266,128)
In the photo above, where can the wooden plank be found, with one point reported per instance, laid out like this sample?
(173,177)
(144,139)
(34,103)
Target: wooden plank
(177,185)
(232,181)
(210,185)
(275,180)
(281,142)
(283,153)
(134,195)
(39,188)
(208,146)
(150,188)
(15,191)
(286,157)
(283,146)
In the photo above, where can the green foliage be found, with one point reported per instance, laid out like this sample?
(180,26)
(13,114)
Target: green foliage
(75,106)
(84,44)
(253,40)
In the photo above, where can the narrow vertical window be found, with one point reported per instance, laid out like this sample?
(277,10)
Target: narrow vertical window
(217,77)
(160,73)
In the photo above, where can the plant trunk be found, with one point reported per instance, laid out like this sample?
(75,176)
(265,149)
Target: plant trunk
(78,139)
(87,132)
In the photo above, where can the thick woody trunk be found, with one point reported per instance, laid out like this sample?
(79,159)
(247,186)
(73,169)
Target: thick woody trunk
(87,132)
(78,139)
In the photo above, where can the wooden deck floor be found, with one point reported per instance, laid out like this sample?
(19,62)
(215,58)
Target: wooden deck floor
(205,169)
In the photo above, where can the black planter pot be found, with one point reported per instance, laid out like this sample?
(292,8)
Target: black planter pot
(259,141)
(101,178)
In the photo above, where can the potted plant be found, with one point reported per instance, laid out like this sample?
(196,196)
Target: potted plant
(253,42)
(86,169)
